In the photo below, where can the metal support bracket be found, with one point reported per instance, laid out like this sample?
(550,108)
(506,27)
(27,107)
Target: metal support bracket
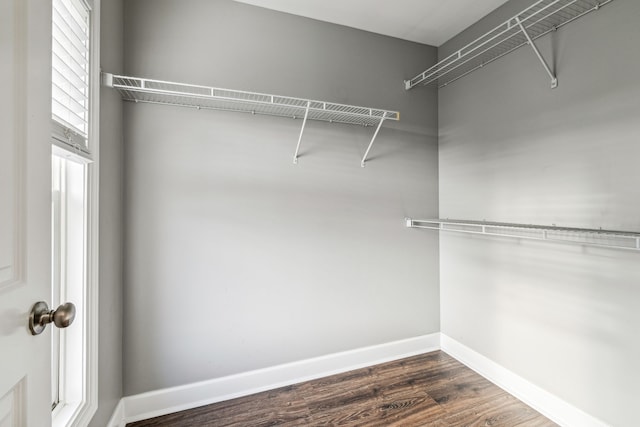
(554,80)
(107,79)
(364,158)
(304,122)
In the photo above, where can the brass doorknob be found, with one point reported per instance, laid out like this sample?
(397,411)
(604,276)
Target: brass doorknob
(41,316)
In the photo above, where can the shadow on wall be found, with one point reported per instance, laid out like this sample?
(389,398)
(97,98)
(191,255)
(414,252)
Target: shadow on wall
(541,308)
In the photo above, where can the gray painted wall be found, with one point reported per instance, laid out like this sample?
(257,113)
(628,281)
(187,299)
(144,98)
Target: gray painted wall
(235,258)
(111,218)
(511,149)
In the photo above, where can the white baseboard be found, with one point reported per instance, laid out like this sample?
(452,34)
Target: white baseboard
(542,401)
(118,417)
(166,401)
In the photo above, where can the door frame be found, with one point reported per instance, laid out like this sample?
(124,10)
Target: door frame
(81,415)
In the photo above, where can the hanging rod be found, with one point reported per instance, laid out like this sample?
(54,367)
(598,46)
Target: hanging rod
(542,17)
(137,89)
(583,236)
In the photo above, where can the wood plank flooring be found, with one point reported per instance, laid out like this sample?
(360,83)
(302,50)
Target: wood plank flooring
(430,390)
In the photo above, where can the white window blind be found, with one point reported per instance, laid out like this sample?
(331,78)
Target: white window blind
(70,73)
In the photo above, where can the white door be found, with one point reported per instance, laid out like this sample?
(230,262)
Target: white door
(25,209)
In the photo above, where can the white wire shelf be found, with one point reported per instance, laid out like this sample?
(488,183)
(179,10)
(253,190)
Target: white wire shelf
(542,17)
(582,236)
(137,89)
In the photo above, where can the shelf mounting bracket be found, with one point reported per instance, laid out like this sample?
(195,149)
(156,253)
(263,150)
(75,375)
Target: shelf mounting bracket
(364,158)
(304,122)
(554,79)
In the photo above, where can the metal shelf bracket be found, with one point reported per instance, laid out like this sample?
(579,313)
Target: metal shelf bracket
(554,79)
(304,122)
(375,134)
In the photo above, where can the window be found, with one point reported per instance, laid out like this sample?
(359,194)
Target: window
(74,165)
(69,228)
(70,79)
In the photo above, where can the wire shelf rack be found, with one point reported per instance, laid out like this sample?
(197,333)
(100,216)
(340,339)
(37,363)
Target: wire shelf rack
(539,19)
(138,89)
(582,236)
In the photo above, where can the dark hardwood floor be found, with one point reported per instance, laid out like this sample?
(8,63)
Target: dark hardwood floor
(428,390)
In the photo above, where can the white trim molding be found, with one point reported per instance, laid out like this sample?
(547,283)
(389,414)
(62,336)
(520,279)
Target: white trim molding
(541,400)
(165,401)
(117,418)
(93,226)
(161,402)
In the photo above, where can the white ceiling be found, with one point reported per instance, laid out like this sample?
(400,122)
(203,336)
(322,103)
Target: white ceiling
(432,22)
